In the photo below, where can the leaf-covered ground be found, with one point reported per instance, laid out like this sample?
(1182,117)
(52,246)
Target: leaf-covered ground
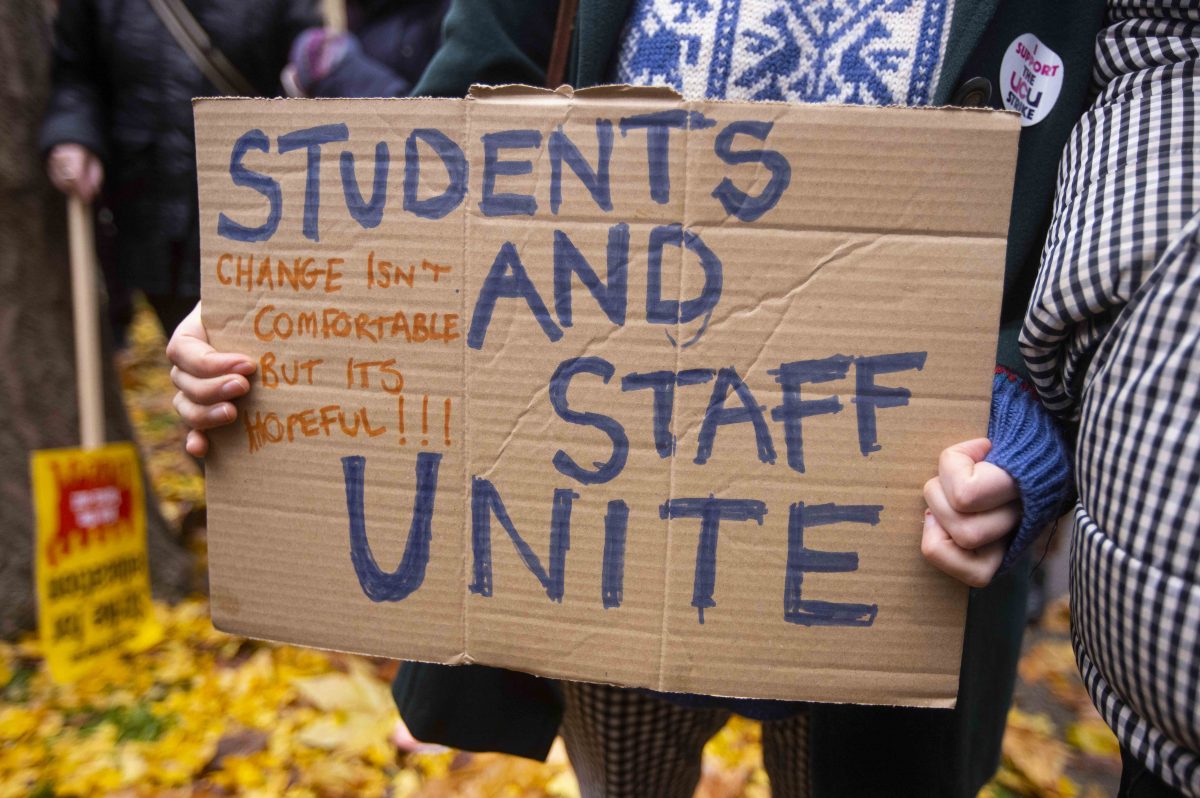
(204,714)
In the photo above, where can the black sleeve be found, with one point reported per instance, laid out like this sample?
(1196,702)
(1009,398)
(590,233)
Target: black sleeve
(76,112)
(298,16)
(479,708)
(491,41)
(295,17)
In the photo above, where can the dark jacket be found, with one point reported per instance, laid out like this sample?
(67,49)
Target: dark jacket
(123,89)
(396,39)
(856,751)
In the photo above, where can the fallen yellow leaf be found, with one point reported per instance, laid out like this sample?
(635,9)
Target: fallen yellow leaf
(1092,736)
(1046,659)
(1057,616)
(16,722)
(1031,749)
(356,691)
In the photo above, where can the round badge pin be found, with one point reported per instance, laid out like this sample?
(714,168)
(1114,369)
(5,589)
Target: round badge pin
(1031,77)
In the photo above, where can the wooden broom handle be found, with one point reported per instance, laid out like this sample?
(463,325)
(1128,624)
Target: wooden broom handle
(335,15)
(86,306)
(556,68)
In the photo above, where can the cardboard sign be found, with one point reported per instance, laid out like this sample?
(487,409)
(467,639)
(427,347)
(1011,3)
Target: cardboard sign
(93,578)
(604,385)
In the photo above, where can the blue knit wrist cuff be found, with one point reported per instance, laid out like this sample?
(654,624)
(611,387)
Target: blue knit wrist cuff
(1029,446)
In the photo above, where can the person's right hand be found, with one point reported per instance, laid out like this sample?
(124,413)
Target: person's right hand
(207,380)
(75,170)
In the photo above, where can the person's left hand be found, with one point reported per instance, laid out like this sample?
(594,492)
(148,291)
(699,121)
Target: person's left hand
(75,170)
(973,506)
(314,55)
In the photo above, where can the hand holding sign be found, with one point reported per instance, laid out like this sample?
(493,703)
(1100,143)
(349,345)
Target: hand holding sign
(973,506)
(207,380)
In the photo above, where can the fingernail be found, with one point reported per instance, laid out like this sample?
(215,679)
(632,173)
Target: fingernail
(928,517)
(245,368)
(221,413)
(231,389)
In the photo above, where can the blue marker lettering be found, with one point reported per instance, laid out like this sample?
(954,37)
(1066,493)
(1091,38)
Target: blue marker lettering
(595,180)
(311,139)
(455,164)
(807,612)
(735,201)
(793,409)
(485,501)
(367,214)
(711,512)
(612,579)
(267,186)
(718,415)
(559,383)
(507,204)
(663,384)
(568,260)
(672,311)
(868,395)
(508,279)
(658,127)
(376,583)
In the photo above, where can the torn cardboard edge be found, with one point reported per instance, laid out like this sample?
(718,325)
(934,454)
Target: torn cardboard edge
(607,91)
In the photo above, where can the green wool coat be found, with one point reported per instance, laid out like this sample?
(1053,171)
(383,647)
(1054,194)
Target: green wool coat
(855,751)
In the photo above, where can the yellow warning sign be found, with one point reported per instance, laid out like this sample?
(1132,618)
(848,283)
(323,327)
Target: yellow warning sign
(93,578)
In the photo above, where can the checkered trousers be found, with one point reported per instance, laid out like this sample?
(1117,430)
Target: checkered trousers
(626,744)
(1112,340)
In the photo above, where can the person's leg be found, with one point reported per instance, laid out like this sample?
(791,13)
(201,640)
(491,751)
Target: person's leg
(119,311)
(170,310)
(626,744)
(1138,782)
(785,755)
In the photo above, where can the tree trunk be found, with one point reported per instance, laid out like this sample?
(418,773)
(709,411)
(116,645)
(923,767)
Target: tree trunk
(37,373)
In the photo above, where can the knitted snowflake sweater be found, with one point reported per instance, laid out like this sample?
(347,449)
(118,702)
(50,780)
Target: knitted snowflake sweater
(871,52)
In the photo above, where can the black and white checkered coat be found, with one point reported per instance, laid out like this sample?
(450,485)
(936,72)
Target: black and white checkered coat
(1112,341)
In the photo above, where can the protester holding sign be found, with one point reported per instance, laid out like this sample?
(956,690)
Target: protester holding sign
(919,752)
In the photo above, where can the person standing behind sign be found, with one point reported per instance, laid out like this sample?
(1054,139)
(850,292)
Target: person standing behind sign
(992,496)
(120,117)
(1111,339)
(384,53)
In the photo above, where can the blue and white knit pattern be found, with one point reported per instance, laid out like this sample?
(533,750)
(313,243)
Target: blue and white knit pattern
(869,52)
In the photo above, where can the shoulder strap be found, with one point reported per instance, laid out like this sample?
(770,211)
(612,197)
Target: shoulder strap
(556,68)
(192,38)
